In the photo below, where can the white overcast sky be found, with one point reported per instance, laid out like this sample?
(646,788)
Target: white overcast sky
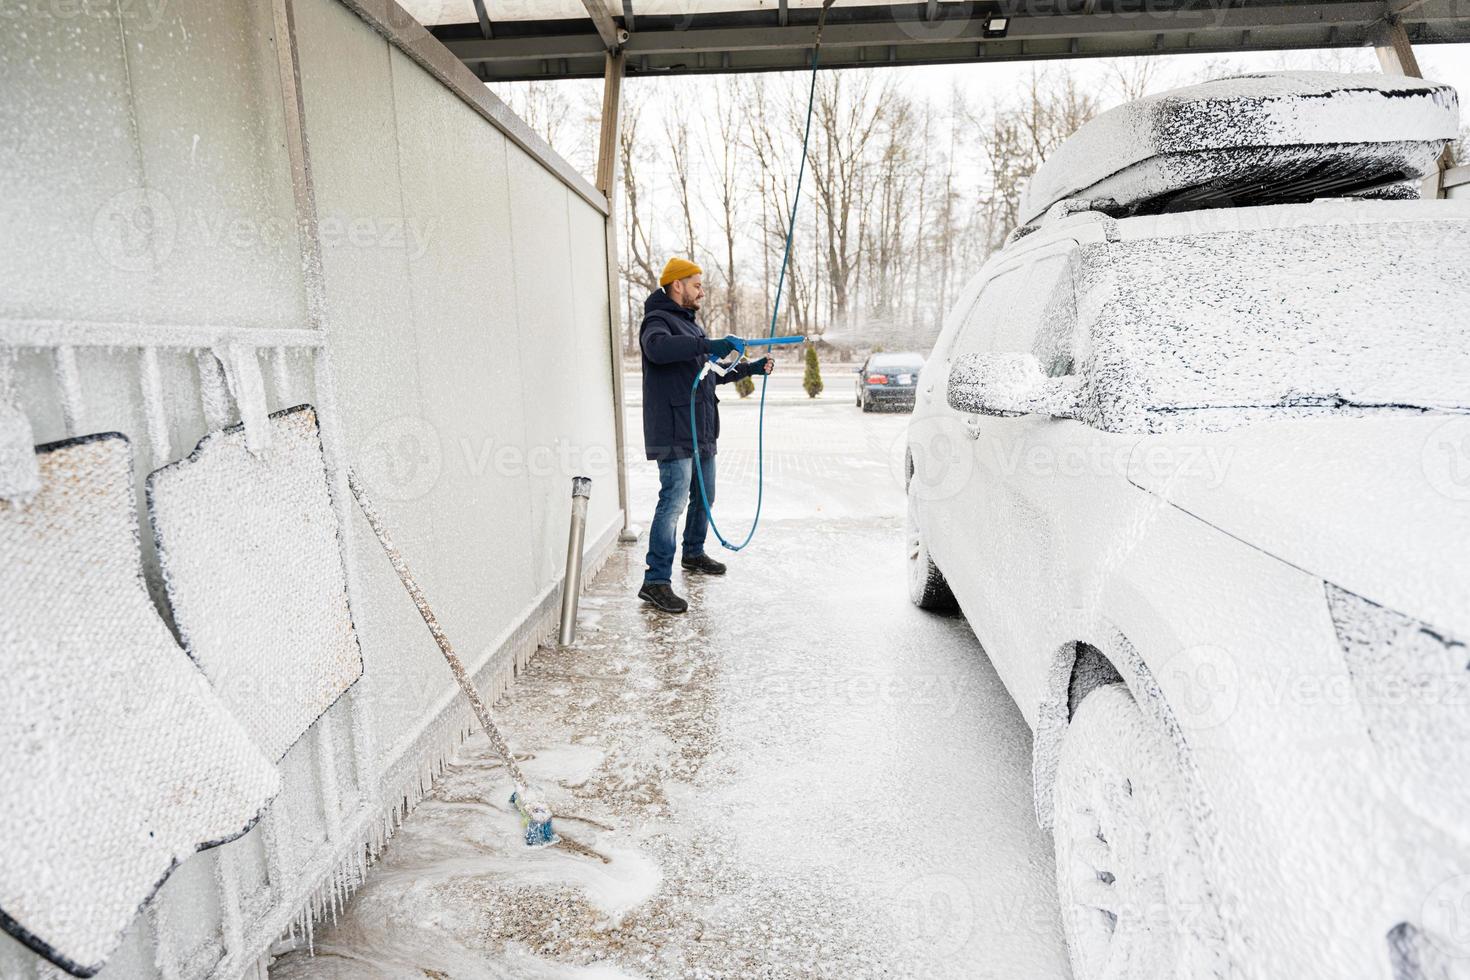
(984,83)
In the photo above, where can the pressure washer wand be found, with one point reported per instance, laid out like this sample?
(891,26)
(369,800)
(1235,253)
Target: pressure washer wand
(722,368)
(535,813)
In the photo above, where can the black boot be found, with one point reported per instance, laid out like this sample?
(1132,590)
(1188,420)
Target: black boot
(703,563)
(663,597)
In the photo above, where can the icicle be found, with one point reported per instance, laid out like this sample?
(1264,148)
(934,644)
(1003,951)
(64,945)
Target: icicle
(281,376)
(227,878)
(279,876)
(69,383)
(152,383)
(214,394)
(242,375)
(327,769)
(20,470)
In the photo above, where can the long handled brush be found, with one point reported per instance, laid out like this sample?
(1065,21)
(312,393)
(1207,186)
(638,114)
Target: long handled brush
(534,810)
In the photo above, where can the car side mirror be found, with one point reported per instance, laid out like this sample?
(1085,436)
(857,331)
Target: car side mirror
(1010,384)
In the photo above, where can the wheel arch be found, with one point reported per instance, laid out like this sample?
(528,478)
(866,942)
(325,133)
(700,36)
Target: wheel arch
(1076,669)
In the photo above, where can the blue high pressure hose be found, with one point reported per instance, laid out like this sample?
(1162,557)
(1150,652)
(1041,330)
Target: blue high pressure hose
(760,456)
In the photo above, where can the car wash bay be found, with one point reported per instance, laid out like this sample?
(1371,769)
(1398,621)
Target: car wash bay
(803,776)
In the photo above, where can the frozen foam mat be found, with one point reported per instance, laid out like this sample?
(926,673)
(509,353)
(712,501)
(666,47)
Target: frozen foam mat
(251,561)
(119,760)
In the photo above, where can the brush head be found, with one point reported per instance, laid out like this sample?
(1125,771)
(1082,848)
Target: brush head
(535,818)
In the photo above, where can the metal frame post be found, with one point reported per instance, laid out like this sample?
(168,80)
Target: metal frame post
(1396,57)
(607,183)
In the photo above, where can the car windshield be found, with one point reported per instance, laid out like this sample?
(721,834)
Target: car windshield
(1321,317)
(897,363)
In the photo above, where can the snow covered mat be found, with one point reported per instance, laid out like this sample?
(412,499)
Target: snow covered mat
(1280,137)
(251,561)
(119,759)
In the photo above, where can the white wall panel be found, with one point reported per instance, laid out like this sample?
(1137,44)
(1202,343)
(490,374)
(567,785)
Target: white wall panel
(347,85)
(465,294)
(209,117)
(53,197)
(592,361)
(543,306)
(147,170)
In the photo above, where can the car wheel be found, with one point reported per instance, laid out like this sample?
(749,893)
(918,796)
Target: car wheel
(927,587)
(1132,887)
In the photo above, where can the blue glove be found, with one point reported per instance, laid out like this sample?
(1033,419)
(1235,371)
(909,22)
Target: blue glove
(719,348)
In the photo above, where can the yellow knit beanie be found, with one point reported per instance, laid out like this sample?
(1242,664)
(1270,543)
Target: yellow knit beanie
(678,269)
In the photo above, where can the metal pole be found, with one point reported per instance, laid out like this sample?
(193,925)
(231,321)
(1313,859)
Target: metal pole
(1396,57)
(571,588)
(607,183)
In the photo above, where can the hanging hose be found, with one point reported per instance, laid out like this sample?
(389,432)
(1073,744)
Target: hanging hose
(760,455)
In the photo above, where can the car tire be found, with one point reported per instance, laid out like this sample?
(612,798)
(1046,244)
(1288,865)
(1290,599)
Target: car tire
(1131,883)
(927,587)
(864,404)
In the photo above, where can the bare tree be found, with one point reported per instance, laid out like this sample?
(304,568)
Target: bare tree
(1132,78)
(722,156)
(905,194)
(777,164)
(676,130)
(849,108)
(637,266)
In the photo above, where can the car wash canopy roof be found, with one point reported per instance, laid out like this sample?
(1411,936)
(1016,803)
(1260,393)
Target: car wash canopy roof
(506,40)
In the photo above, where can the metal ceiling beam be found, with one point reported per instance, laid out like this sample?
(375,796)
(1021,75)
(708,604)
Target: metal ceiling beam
(1396,57)
(754,41)
(607,28)
(484,17)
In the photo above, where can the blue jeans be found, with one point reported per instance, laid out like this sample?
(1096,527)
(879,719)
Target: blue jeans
(676,486)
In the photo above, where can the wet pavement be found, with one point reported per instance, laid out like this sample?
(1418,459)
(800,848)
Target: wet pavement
(804,776)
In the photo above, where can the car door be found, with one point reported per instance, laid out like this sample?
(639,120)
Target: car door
(1002,541)
(992,523)
(1045,490)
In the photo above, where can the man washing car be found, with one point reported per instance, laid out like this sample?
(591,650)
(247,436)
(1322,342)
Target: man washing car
(674,349)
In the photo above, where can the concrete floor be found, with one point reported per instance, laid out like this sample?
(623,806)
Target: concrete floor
(804,776)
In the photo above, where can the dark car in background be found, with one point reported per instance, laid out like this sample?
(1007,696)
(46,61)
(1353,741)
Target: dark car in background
(888,380)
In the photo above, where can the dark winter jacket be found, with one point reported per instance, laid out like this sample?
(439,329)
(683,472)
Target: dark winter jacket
(674,348)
